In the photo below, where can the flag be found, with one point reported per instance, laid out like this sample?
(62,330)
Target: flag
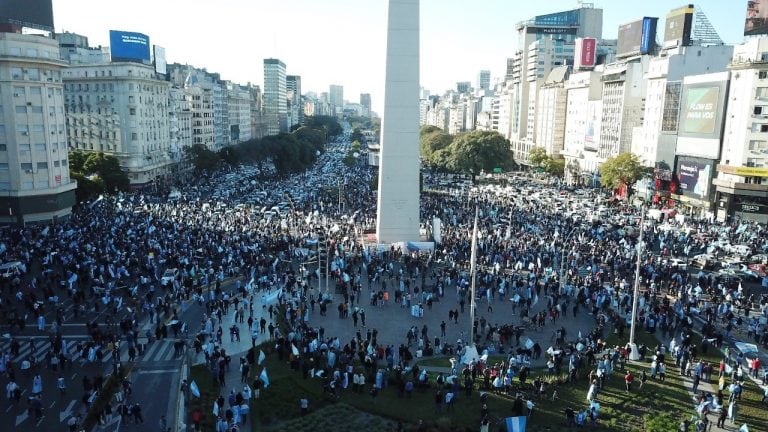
(194,389)
(262,357)
(744,428)
(263,377)
(294,350)
(516,424)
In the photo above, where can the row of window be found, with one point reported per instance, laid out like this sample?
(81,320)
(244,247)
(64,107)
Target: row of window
(33,52)
(27,166)
(29,185)
(35,74)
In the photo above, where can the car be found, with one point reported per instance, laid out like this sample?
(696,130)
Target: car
(703,261)
(679,263)
(169,276)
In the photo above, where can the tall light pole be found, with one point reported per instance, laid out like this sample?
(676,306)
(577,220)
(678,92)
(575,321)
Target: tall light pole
(635,354)
(562,259)
(473,276)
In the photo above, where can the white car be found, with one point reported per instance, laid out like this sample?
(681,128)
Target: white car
(169,276)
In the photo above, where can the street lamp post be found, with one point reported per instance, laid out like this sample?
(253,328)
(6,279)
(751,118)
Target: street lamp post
(634,353)
(563,258)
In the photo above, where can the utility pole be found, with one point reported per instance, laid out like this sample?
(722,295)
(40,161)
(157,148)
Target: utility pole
(635,354)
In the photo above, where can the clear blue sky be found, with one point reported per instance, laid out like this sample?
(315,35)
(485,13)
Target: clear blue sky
(343,41)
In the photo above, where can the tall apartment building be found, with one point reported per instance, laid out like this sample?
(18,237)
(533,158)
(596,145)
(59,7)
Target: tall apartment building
(483,80)
(198,89)
(623,105)
(558,32)
(742,172)
(120,109)
(221,133)
(258,119)
(294,100)
(365,101)
(336,98)
(179,122)
(239,112)
(275,96)
(34,167)
(550,115)
(583,120)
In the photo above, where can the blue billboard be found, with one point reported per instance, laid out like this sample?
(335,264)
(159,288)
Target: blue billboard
(129,46)
(648,42)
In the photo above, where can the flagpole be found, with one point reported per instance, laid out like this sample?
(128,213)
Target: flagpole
(473,276)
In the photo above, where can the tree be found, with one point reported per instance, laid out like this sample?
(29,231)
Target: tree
(331,125)
(478,151)
(574,170)
(202,157)
(106,167)
(428,129)
(555,166)
(431,142)
(622,170)
(538,156)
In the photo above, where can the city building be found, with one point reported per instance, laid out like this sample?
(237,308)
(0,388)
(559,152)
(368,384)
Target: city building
(75,50)
(463,86)
(742,172)
(583,120)
(550,115)
(336,99)
(484,80)
(275,96)
(365,101)
(220,113)
(197,86)
(294,100)
(121,109)
(35,184)
(239,112)
(258,119)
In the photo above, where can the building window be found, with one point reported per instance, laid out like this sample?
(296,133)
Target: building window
(27,185)
(16,73)
(3,147)
(5,186)
(21,109)
(132,111)
(33,74)
(19,92)
(3,166)
(42,165)
(762,92)
(40,147)
(36,110)
(762,75)
(31,52)
(26,166)
(38,128)
(56,164)
(134,136)
(15,51)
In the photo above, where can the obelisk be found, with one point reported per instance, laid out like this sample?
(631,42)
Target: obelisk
(398,206)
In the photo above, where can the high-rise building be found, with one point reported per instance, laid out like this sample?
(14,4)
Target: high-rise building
(484,80)
(34,167)
(742,172)
(121,109)
(365,101)
(529,65)
(294,99)
(463,86)
(275,96)
(336,94)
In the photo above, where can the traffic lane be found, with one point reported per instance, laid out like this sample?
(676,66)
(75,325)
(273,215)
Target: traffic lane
(57,407)
(157,391)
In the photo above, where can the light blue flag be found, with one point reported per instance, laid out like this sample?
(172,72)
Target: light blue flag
(261,357)
(263,377)
(516,424)
(744,428)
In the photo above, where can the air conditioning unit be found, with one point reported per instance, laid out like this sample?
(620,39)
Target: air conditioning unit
(16,95)
(25,133)
(29,103)
(29,171)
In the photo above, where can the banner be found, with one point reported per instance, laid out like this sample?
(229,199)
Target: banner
(516,424)
(264,378)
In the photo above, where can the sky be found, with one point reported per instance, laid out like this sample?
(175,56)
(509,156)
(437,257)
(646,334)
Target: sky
(344,41)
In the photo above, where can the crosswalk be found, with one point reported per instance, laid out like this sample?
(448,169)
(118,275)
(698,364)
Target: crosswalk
(162,350)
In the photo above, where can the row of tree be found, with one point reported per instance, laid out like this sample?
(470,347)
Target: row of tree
(288,152)
(552,164)
(468,153)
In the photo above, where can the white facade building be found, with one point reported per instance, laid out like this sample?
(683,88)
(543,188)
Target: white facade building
(582,125)
(34,166)
(275,96)
(120,109)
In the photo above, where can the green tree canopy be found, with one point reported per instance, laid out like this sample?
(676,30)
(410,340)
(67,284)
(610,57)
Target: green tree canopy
(480,151)
(538,156)
(624,169)
(202,157)
(555,166)
(330,123)
(431,142)
(428,129)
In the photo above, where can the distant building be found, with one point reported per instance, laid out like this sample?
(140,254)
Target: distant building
(275,96)
(74,49)
(336,95)
(484,80)
(294,100)
(463,86)
(365,101)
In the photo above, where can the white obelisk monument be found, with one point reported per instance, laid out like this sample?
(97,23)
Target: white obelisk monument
(398,207)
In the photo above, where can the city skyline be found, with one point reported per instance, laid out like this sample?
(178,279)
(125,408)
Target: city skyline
(356,43)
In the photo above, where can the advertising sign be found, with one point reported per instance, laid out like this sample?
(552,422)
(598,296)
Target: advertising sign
(129,46)
(756,22)
(28,13)
(585,53)
(695,177)
(700,105)
(552,30)
(677,30)
(648,40)
(161,65)
(630,38)
(593,125)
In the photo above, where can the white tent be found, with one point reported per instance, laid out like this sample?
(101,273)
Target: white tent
(470,355)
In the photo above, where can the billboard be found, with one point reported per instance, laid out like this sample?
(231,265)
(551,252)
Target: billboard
(593,125)
(756,22)
(695,176)
(585,53)
(129,46)
(161,65)
(700,110)
(28,13)
(677,30)
(637,37)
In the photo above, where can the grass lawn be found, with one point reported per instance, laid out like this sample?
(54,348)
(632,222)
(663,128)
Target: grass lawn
(209,392)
